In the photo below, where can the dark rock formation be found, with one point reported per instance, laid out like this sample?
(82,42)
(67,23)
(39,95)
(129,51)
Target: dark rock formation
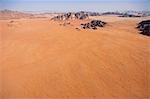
(94,24)
(112,13)
(72,16)
(94,14)
(130,15)
(144,27)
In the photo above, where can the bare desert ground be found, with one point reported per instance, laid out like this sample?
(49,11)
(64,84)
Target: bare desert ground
(41,59)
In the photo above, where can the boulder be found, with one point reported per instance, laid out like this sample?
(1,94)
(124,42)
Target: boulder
(94,24)
(144,27)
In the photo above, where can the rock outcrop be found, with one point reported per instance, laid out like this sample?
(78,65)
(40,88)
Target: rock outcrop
(72,16)
(94,24)
(94,14)
(144,27)
(112,13)
(130,15)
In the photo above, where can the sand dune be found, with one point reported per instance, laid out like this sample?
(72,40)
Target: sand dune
(41,59)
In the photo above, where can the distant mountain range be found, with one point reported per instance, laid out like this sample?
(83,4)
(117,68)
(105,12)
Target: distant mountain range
(9,14)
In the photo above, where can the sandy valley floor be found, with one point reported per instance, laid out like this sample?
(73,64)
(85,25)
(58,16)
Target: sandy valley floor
(40,59)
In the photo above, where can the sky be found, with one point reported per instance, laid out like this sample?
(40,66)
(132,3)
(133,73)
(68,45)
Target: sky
(75,5)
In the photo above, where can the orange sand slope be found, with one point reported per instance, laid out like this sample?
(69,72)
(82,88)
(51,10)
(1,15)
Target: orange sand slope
(42,60)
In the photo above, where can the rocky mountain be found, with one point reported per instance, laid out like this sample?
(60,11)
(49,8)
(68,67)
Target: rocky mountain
(112,13)
(72,16)
(9,14)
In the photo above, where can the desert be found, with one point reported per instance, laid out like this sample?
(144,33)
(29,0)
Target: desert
(46,59)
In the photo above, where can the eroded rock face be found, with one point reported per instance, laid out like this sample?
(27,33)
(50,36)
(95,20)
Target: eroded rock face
(94,24)
(72,16)
(144,27)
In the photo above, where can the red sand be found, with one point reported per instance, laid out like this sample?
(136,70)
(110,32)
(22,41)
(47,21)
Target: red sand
(41,59)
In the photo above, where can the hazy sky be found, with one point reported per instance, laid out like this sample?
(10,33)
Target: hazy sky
(75,5)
